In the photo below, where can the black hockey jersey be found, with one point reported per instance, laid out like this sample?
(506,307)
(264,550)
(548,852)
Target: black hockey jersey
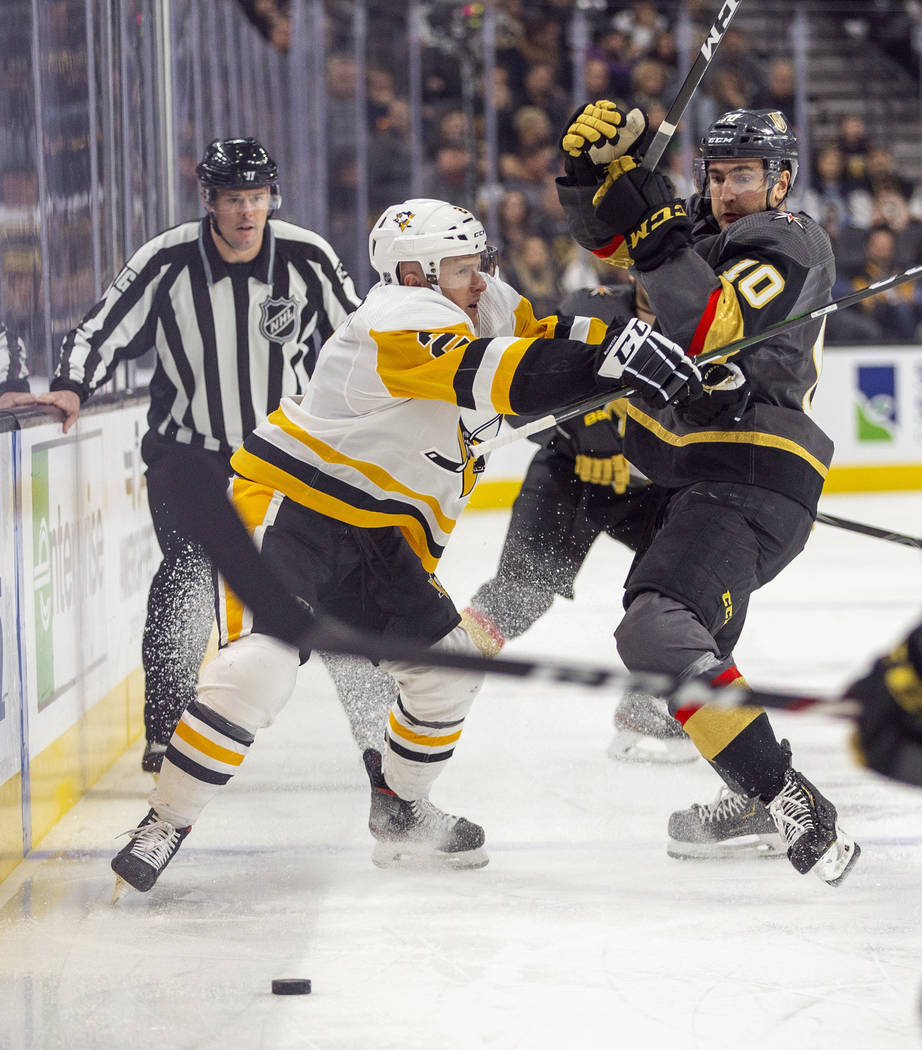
(733,283)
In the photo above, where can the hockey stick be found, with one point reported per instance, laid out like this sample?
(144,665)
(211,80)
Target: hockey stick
(705,56)
(598,400)
(205,515)
(870,530)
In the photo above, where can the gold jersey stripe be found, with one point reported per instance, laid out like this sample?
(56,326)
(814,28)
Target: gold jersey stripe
(418,738)
(727,325)
(377,475)
(714,728)
(726,437)
(504,374)
(408,369)
(207,747)
(266,474)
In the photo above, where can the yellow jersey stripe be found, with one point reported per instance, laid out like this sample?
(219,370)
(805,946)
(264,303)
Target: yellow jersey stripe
(504,374)
(408,368)
(377,475)
(301,493)
(726,437)
(727,325)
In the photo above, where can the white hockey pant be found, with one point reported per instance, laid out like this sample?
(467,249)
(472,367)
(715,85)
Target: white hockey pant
(426,719)
(240,691)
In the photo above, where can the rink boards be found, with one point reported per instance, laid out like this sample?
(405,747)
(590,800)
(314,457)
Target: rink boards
(77,552)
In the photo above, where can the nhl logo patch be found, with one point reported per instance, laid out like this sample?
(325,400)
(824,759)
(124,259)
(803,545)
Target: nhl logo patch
(278,320)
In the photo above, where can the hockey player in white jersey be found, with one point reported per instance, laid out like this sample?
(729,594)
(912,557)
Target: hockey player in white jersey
(351,492)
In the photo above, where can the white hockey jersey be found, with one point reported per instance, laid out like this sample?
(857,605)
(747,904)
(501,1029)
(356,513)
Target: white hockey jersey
(387,432)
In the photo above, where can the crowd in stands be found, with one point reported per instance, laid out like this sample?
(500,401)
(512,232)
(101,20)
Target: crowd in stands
(871,211)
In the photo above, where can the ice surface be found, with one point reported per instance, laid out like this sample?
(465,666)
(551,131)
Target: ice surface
(580,933)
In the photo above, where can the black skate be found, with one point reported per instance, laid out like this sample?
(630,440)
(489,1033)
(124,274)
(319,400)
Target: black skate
(814,840)
(646,732)
(733,825)
(418,834)
(152,759)
(153,845)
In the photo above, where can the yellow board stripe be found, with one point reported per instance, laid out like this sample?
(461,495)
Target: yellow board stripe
(734,437)
(418,738)
(206,746)
(714,728)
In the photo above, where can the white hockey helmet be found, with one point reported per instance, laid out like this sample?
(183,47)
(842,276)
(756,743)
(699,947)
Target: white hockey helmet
(426,231)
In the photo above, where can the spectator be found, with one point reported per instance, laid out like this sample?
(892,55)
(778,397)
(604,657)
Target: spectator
(779,92)
(533,128)
(881,174)
(530,267)
(854,146)
(542,90)
(896,312)
(734,55)
(649,84)
(832,196)
(642,24)
(891,209)
(612,48)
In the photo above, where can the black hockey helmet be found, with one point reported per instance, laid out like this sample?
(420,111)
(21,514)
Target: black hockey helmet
(238,164)
(764,134)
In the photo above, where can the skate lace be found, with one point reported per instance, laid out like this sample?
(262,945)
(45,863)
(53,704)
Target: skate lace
(431,817)
(727,804)
(153,843)
(792,812)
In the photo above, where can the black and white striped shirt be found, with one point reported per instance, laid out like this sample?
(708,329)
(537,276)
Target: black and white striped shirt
(14,374)
(231,339)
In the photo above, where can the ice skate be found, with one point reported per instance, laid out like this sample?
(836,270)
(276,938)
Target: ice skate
(814,840)
(152,759)
(418,834)
(153,845)
(730,826)
(646,732)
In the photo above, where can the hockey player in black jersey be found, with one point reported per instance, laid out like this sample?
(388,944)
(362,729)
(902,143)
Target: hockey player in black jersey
(578,486)
(745,464)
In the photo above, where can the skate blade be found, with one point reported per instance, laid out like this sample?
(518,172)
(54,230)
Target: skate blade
(120,890)
(630,746)
(837,862)
(399,855)
(745,847)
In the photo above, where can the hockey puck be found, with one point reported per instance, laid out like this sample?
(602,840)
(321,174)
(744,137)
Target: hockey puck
(291,986)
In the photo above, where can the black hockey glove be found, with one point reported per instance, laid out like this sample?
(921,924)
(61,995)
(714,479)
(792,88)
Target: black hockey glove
(657,369)
(642,206)
(724,397)
(889,734)
(596,441)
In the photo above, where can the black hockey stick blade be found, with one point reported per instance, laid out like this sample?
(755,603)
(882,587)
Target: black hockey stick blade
(705,56)
(870,530)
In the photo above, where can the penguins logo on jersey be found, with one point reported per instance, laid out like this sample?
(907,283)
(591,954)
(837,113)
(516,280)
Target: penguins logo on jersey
(469,465)
(278,319)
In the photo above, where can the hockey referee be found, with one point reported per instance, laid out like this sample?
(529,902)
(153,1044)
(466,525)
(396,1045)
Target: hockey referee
(236,305)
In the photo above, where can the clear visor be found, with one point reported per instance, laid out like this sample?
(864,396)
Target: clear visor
(733,180)
(465,270)
(261,198)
